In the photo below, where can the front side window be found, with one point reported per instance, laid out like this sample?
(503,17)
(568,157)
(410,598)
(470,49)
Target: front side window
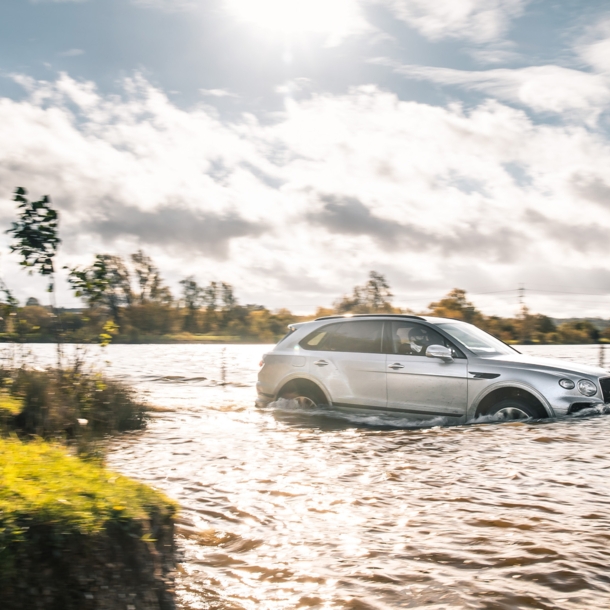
(358,336)
(476,340)
(412,339)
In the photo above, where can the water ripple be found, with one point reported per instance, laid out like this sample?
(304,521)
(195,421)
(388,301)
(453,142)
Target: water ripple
(285,509)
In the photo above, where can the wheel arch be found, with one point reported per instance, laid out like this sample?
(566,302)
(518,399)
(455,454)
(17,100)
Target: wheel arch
(300,383)
(519,391)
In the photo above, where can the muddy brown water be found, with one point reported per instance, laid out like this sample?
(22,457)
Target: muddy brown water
(282,509)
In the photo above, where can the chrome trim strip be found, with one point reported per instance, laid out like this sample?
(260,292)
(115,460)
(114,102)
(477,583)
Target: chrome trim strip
(397,410)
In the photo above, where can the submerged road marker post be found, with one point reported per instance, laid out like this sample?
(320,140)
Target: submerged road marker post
(602,356)
(223,368)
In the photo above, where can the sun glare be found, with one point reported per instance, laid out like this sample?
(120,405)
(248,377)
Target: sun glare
(332,18)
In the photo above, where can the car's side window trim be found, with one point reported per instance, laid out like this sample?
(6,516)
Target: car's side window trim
(387,344)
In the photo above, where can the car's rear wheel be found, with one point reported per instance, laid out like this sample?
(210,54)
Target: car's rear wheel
(305,402)
(305,393)
(511,409)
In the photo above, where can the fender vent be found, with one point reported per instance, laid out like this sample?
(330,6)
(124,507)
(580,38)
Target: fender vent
(484,375)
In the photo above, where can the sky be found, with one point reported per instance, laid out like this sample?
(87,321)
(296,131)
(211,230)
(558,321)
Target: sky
(290,147)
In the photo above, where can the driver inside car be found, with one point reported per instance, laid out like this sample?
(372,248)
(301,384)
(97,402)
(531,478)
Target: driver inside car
(418,341)
(412,341)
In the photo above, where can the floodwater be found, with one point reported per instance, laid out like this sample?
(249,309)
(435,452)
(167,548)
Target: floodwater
(281,509)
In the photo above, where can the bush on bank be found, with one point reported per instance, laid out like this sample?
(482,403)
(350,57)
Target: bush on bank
(67,404)
(74,535)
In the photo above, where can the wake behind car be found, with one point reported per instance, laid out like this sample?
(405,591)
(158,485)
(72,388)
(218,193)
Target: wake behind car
(422,367)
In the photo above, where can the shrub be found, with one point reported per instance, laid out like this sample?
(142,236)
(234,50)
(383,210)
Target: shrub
(70,403)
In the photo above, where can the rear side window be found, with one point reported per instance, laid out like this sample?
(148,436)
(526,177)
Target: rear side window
(290,331)
(358,336)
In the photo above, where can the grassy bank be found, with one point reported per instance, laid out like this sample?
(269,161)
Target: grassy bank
(75,535)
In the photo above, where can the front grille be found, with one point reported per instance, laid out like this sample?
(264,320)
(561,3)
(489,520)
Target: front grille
(605,383)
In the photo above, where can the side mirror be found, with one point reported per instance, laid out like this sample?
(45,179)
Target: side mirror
(439,351)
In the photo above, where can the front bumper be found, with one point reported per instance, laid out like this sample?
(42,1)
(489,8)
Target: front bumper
(576,407)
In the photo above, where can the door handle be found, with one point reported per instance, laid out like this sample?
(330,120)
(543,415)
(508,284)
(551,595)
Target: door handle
(321,363)
(396,366)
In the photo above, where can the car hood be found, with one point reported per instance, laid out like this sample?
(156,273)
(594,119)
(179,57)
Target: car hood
(548,364)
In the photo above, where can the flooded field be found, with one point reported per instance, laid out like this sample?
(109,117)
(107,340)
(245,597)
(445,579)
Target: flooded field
(287,510)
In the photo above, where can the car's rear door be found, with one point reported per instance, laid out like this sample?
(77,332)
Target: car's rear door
(419,386)
(349,361)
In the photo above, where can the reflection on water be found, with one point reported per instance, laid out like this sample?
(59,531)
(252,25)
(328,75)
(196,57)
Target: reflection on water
(283,509)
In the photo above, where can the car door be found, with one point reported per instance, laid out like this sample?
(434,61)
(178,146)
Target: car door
(347,358)
(420,386)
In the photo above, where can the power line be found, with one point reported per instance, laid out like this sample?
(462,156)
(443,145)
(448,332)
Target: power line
(535,291)
(578,293)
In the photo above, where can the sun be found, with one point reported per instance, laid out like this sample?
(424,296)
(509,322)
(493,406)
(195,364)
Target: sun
(331,18)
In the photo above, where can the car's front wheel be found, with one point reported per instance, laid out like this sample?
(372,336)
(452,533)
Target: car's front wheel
(511,409)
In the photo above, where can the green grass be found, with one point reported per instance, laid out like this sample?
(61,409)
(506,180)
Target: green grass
(42,485)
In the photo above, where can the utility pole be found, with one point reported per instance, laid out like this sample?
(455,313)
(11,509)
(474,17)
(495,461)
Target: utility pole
(521,296)
(522,312)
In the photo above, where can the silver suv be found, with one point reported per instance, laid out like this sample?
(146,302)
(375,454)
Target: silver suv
(421,368)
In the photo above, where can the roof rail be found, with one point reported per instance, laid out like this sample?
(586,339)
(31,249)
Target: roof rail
(370,315)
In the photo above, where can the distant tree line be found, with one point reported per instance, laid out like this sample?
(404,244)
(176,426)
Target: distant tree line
(132,296)
(375,296)
(130,300)
(127,300)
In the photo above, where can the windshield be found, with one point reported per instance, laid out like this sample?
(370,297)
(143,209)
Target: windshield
(476,340)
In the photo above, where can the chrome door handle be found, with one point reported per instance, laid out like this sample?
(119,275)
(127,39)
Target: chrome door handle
(321,363)
(396,366)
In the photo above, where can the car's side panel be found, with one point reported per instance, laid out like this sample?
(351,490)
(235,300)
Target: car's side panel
(351,377)
(427,386)
(276,367)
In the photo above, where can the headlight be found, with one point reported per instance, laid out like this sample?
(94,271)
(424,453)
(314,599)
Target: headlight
(567,384)
(587,388)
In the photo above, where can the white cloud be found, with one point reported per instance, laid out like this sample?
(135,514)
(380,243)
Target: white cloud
(542,88)
(216,93)
(475,20)
(71,53)
(595,48)
(296,211)
(335,20)
(167,5)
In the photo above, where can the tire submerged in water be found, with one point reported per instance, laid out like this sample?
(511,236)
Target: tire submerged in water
(511,409)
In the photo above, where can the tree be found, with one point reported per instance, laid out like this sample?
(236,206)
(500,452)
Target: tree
(456,306)
(578,331)
(374,296)
(8,305)
(193,298)
(35,235)
(149,280)
(36,239)
(227,296)
(107,283)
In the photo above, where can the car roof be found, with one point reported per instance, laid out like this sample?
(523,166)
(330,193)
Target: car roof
(399,316)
